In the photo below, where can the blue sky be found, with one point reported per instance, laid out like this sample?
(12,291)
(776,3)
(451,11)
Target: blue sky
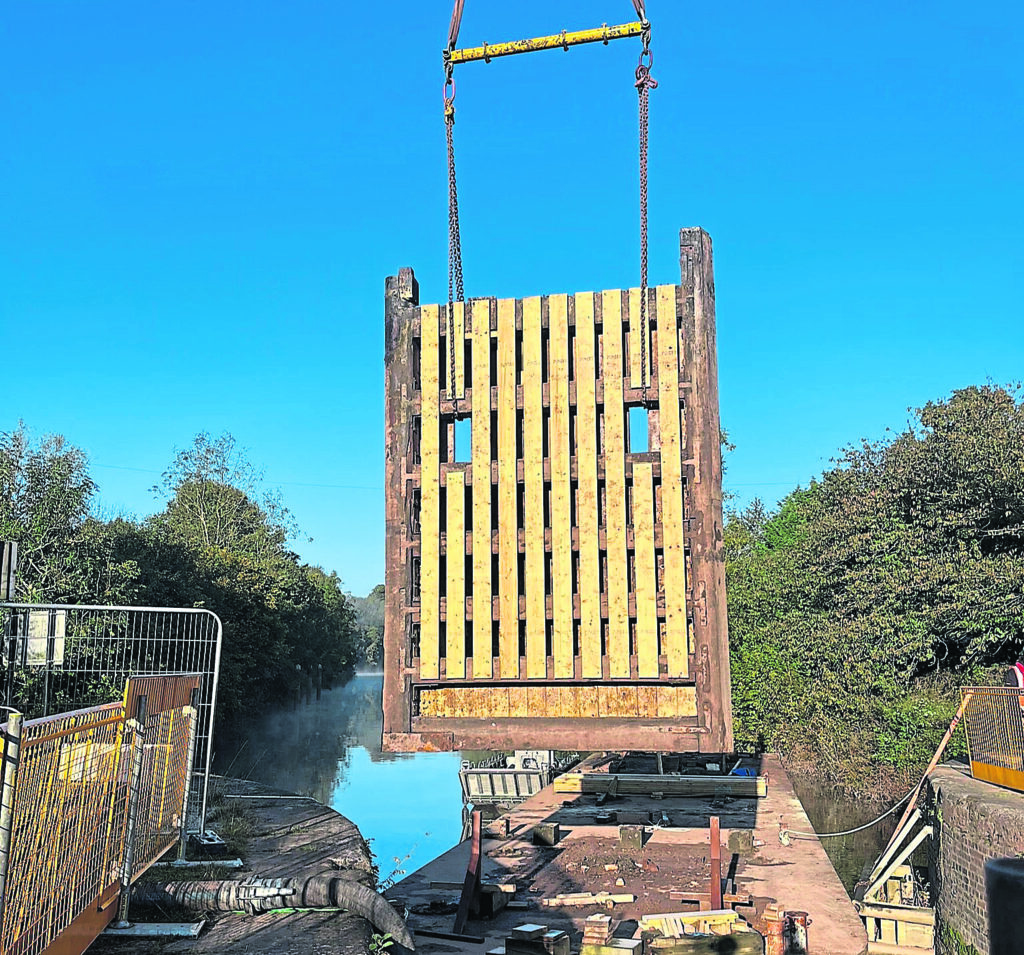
(199,203)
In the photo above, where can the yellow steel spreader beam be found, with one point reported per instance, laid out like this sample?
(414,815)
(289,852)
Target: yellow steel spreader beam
(601,34)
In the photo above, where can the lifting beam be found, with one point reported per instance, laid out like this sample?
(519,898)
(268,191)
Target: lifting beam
(601,34)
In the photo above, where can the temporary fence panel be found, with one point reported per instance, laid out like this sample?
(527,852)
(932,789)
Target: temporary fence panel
(67,840)
(62,657)
(72,817)
(553,493)
(994,722)
(170,726)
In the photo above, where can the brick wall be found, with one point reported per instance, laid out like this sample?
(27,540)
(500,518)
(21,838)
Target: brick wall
(974,822)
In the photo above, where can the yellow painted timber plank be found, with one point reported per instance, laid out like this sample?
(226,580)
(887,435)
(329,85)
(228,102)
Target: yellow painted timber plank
(635,332)
(459,318)
(615,487)
(455,602)
(676,638)
(508,531)
(561,489)
(482,613)
(647,701)
(533,476)
(587,503)
(518,705)
(429,493)
(646,593)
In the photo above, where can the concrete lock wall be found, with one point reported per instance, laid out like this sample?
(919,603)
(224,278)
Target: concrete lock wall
(974,821)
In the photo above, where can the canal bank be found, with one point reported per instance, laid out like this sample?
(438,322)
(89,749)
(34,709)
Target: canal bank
(285,837)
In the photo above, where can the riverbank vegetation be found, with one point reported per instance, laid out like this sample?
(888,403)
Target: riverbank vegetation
(861,603)
(220,541)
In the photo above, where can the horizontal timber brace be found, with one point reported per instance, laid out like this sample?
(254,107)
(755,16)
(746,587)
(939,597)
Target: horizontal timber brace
(601,34)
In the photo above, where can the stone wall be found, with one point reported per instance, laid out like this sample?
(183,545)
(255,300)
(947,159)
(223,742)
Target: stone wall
(974,822)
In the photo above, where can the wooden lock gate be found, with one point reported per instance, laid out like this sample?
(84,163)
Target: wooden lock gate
(555,577)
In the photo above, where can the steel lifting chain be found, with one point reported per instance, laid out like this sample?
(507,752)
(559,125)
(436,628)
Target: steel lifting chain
(456,291)
(644,84)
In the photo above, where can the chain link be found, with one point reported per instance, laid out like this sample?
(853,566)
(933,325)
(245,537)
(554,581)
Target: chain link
(644,84)
(456,291)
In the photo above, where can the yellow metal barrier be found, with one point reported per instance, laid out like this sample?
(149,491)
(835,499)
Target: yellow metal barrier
(68,830)
(994,722)
(71,813)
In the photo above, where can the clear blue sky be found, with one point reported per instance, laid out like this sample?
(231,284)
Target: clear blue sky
(199,203)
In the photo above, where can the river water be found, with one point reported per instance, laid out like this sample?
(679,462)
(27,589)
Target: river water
(409,806)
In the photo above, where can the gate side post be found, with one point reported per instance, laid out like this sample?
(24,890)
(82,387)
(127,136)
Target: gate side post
(191,713)
(134,793)
(11,762)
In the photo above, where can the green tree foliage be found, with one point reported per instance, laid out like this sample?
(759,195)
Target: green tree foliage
(370,625)
(219,543)
(860,602)
(45,492)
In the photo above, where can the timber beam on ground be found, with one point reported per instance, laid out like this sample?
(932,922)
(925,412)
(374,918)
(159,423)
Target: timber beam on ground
(644,784)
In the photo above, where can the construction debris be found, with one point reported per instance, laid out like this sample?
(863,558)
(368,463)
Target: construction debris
(606,899)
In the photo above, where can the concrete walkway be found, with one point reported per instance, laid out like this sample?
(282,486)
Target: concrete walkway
(292,836)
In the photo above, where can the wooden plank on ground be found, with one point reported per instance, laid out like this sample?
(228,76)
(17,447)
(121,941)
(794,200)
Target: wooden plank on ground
(615,487)
(482,612)
(561,489)
(533,477)
(586,500)
(430,593)
(737,787)
(455,600)
(677,650)
(508,523)
(646,581)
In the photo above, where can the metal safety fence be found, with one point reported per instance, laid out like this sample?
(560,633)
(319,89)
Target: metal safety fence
(994,722)
(60,657)
(90,799)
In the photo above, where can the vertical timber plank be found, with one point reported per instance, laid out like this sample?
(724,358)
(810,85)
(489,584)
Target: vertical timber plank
(430,599)
(458,318)
(533,475)
(646,584)
(482,613)
(455,600)
(587,504)
(636,380)
(677,648)
(560,452)
(615,487)
(508,530)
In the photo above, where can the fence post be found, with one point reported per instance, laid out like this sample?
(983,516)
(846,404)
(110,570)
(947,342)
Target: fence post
(11,762)
(192,714)
(134,793)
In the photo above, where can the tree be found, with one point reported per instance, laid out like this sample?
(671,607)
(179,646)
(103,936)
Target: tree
(851,603)
(45,492)
(369,612)
(216,500)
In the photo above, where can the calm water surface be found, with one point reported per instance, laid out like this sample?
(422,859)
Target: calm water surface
(410,806)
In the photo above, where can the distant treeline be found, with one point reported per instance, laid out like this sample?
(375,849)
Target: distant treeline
(860,605)
(219,542)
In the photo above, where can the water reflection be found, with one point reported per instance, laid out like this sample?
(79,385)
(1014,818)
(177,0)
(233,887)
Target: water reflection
(829,813)
(410,806)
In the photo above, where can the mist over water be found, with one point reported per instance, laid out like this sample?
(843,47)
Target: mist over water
(406,804)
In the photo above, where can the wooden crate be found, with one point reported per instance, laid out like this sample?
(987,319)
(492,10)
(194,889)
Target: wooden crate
(554,580)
